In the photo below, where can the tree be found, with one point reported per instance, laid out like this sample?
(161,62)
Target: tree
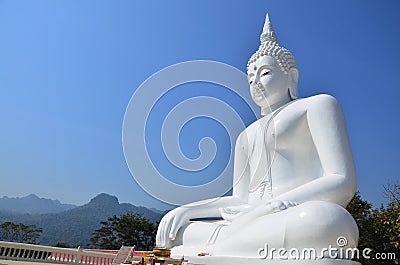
(129,229)
(379,228)
(19,232)
(387,223)
(361,211)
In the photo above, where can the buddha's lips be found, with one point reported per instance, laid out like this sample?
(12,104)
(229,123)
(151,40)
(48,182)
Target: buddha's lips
(260,93)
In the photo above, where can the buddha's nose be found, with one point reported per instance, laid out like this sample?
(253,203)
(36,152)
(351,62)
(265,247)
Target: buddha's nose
(258,85)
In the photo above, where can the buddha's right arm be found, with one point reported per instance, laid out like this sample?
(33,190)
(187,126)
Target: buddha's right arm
(180,216)
(241,172)
(241,179)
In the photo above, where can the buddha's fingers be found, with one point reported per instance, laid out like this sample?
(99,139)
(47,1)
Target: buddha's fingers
(160,231)
(158,236)
(278,206)
(290,204)
(165,233)
(167,230)
(286,204)
(176,224)
(225,215)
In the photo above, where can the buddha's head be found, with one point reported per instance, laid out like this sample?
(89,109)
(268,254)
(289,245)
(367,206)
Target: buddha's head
(272,72)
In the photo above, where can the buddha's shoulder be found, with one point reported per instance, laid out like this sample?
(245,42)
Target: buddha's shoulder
(322,102)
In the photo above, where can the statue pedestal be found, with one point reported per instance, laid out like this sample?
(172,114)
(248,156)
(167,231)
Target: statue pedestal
(207,260)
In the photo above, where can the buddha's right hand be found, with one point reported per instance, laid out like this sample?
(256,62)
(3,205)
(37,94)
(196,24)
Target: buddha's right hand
(169,226)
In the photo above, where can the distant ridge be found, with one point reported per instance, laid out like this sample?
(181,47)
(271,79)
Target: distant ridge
(75,226)
(32,204)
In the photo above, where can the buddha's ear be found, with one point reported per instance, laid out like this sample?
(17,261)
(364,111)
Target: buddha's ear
(294,78)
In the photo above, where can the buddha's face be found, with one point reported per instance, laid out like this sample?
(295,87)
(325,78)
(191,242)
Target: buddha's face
(269,85)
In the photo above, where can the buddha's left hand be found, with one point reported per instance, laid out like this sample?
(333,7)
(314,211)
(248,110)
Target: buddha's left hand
(276,206)
(241,213)
(232,212)
(242,218)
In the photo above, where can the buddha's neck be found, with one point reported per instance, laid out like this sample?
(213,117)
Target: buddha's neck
(276,106)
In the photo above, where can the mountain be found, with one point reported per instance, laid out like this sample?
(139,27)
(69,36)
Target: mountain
(158,210)
(33,204)
(75,226)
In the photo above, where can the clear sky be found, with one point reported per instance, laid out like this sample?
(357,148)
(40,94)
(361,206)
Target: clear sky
(69,68)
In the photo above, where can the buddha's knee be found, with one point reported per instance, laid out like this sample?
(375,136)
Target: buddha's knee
(320,224)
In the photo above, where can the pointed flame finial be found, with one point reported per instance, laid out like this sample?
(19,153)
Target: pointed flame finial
(268,33)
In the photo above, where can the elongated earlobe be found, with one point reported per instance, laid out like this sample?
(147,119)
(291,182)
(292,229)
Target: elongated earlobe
(294,78)
(290,95)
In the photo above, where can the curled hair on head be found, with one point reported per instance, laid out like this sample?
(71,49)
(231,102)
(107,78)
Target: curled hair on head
(269,46)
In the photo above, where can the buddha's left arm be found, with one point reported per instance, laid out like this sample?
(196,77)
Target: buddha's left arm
(328,130)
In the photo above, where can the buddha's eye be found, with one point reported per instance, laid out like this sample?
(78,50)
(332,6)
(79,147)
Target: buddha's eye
(265,73)
(250,82)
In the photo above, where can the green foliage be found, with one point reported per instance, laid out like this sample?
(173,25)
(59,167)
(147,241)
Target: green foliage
(19,232)
(129,229)
(379,228)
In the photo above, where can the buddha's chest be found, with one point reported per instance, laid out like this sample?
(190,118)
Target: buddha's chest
(282,154)
(286,133)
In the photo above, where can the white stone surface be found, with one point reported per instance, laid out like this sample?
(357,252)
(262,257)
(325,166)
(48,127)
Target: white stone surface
(293,176)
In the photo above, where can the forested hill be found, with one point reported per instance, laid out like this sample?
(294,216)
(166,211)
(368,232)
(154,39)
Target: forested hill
(75,226)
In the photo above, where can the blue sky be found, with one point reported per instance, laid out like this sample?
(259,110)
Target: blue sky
(69,68)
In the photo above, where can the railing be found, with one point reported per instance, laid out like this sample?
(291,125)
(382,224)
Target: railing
(37,253)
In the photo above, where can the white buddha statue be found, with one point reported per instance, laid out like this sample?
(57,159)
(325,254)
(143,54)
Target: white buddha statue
(293,175)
